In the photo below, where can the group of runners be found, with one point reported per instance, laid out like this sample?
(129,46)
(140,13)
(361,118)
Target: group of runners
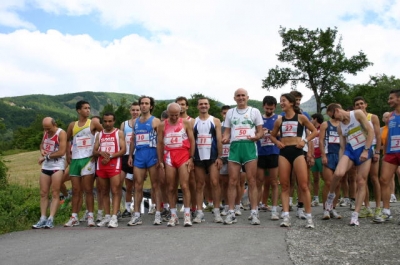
(211,159)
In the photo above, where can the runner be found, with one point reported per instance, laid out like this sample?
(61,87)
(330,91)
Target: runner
(316,169)
(391,159)
(81,162)
(291,156)
(329,144)
(127,168)
(243,128)
(175,150)
(268,155)
(109,147)
(366,211)
(356,136)
(145,146)
(207,157)
(52,160)
(223,173)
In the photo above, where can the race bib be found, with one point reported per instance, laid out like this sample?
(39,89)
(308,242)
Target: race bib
(108,147)
(83,142)
(357,139)
(203,141)
(242,132)
(289,128)
(395,143)
(173,140)
(128,139)
(316,142)
(49,145)
(225,150)
(333,139)
(142,139)
(266,140)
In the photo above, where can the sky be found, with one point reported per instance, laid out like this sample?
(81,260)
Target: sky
(167,49)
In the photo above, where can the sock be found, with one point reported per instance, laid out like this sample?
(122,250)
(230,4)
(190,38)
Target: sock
(173,211)
(386,211)
(137,214)
(232,212)
(254,211)
(100,212)
(75,215)
(107,216)
(308,215)
(331,196)
(43,218)
(51,218)
(158,213)
(211,203)
(193,209)
(216,211)
(237,207)
(90,214)
(273,209)
(290,200)
(166,205)
(200,211)
(285,214)
(153,205)
(316,198)
(187,210)
(354,214)
(114,216)
(128,206)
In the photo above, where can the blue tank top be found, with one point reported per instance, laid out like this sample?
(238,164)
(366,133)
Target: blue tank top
(393,136)
(332,140)
(206,139)
(145,135)
(128,132)
(265,146)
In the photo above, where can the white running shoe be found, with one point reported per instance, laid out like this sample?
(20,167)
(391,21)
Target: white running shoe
(199,218)
(326,216)
(157,219)
(152,210)
(173,220)
(113,222)
(104,221)
(274,215)
(90,221)
(238,212)
(254,219)
(187,221)
(310,223)
(300,213)
(286,221)
(135,221)
(73,221)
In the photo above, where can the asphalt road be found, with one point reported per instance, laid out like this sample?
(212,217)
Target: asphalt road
(331,242)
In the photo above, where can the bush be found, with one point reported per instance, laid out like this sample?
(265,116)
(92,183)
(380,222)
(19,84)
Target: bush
(3,174)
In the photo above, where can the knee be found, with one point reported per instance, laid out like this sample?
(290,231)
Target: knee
(44,193)
(184,187)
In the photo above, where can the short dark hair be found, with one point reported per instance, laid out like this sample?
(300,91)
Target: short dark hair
(182,98)
(164,115)
(357,99)
(152,102)
(109,114)
(395,91)
(80,103)
(202,98)
(319,117)
(225,107)
(296,94)
(331,107)
(135,103)
(269,100)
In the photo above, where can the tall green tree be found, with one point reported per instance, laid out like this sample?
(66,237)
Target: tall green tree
(317,60)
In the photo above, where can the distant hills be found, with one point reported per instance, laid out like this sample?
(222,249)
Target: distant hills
(22,110)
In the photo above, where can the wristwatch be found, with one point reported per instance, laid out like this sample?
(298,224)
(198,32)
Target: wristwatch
(365,148)
(111,156)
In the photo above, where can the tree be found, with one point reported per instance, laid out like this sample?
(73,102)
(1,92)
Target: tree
(317,59)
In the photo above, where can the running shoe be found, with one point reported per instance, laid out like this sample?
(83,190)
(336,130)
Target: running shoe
(315,203)
(199,218)
(218,218)
(334,215)
(230,219)
(354,221)
(119,214)
(393,198)
(328,205)
(345,202)
(173,220)
(104,222)
(326,216)
(382,217)
(152,210)
(238,212)
(300,213)
(99,217)
(286,221)
(187,221)
(73,221)
(157,219)
(40,224)
(352,204)
(49,224)
(90,221)
(310,223)
(225,211)
(165,215)
(254,219)
(135,221)
(263,208)
(365,212)
(274,215)
(209,208)
(126,214)
(113,222)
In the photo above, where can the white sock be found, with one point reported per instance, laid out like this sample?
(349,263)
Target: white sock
(90,214)
(187,210)
(290,200)
(75,215)
(173,211)
(43,218)
(166,205)
(273,209)
(137,214)
(128,206)
(386,211)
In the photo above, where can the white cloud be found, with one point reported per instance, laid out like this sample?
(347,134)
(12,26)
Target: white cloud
(212,47)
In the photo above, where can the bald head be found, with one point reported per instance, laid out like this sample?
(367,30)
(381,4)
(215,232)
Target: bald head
(173,107)
(385,117)
(240,91)
(49,124)
(173,110)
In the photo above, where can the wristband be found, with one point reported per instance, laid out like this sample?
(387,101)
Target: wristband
(47,157)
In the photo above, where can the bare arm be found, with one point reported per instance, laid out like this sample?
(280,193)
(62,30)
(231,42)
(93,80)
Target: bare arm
(160,143)
(377,131)
(122,145)
(275,132)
